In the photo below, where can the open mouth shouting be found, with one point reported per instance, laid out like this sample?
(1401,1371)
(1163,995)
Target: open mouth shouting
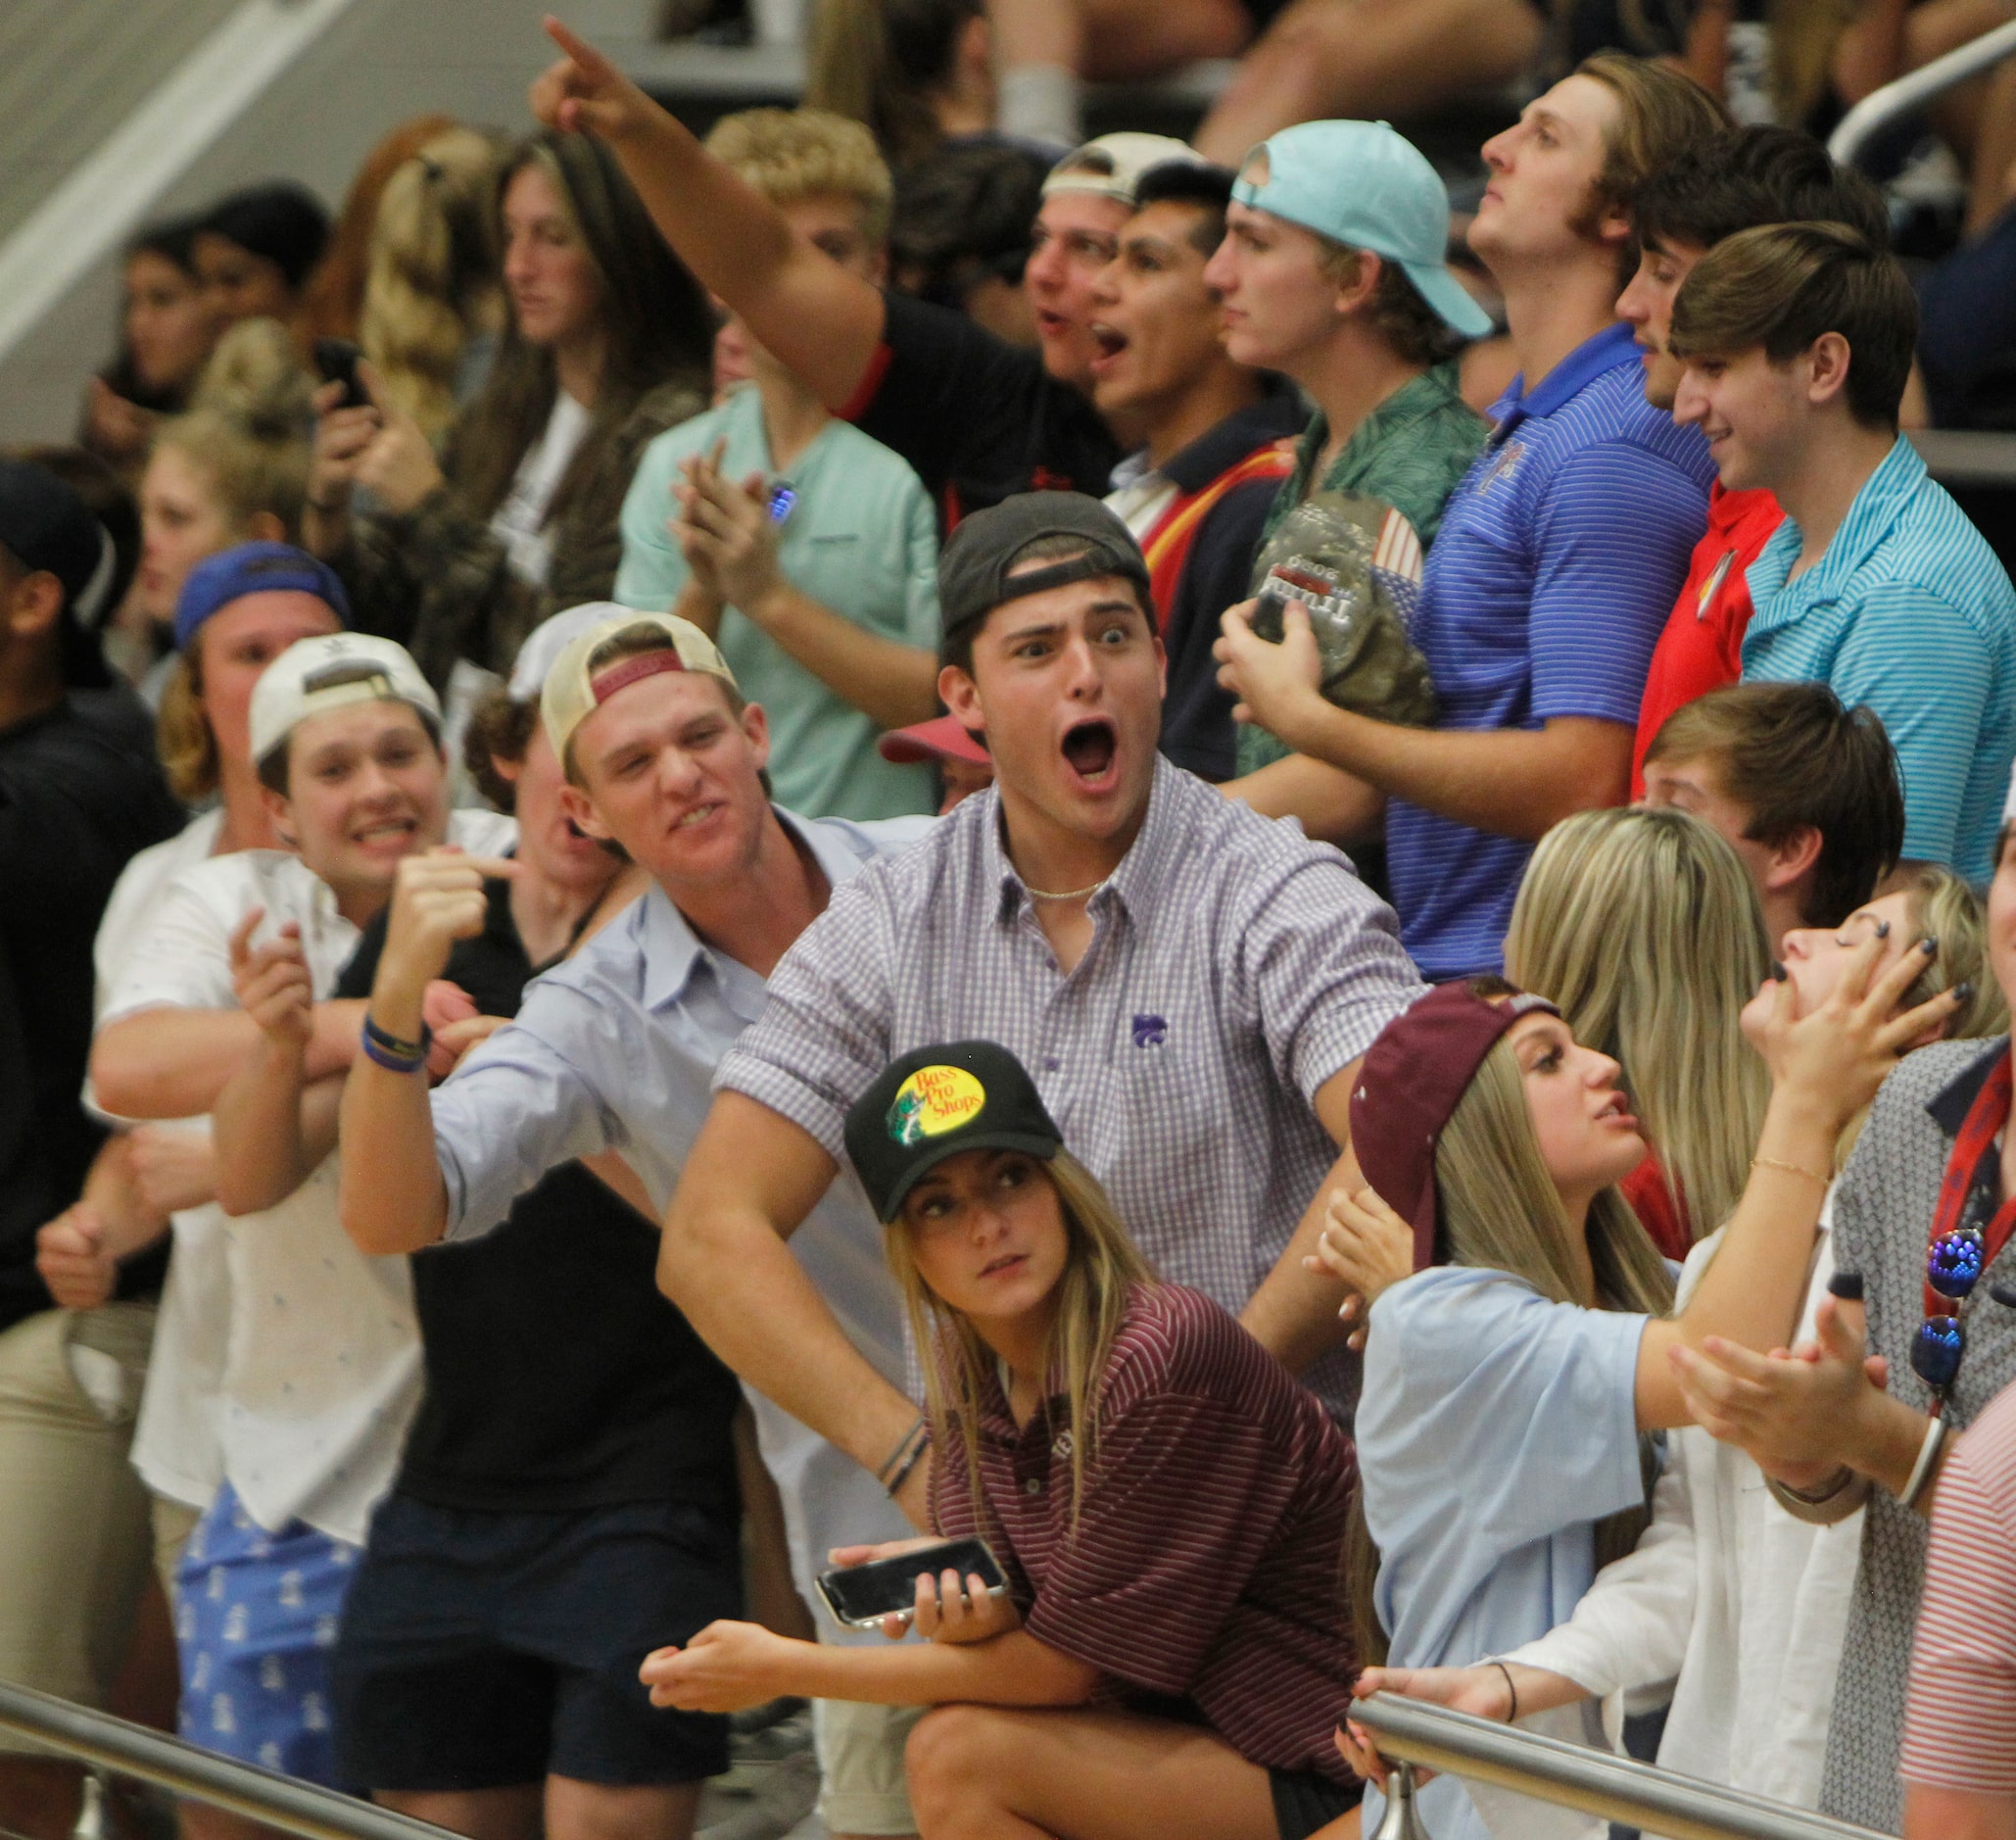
(1092,750)
(1108,342)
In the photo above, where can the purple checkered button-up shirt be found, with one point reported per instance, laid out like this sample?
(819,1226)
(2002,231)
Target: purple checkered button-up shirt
(1235,967)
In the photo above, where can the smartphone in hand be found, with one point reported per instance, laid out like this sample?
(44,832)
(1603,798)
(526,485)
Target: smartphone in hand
(336,362)
(862,1596)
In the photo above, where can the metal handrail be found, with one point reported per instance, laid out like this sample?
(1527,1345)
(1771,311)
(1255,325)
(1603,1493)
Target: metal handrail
(1573,1775)
(1894,100)
(262,1795)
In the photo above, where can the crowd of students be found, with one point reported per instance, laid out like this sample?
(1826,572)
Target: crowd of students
(729,938)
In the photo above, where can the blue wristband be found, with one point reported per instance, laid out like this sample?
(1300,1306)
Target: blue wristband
(394,1055)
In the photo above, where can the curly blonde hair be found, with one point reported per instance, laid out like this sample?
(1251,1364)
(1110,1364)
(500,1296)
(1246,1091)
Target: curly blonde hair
(789,154)
(433,280)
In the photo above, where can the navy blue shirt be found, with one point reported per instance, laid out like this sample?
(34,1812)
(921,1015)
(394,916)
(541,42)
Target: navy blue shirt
(1556,566)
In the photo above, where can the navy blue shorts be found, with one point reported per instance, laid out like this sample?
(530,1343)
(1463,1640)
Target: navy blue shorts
(482,1651)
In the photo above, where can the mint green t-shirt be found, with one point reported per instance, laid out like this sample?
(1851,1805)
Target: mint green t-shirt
(860,539)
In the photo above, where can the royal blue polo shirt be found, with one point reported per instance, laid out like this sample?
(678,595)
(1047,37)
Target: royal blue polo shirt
(1553,574)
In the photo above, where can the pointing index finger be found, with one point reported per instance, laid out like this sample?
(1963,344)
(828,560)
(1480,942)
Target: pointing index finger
(591,62)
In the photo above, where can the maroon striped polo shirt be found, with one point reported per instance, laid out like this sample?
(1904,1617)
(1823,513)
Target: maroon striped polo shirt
(1206,1565)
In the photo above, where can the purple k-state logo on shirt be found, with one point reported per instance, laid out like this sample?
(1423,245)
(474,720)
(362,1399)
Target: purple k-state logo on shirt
(1150,1030)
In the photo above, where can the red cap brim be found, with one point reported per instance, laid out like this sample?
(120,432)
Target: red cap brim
(942,739)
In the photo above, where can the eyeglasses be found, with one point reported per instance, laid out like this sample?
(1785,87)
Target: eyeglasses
(1954,1264)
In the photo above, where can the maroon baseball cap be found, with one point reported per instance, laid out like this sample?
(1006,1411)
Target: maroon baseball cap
(1414,1078)
(941,738)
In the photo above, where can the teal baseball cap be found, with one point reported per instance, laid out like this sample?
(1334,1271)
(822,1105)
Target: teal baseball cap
(1363,184)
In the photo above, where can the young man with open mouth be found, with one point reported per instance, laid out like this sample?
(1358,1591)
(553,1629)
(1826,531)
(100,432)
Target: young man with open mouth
(1189,984)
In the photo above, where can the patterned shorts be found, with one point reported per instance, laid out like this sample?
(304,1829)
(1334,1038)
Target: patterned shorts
(256,1619)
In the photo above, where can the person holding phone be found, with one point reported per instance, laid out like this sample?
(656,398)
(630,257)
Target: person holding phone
(1128,1684)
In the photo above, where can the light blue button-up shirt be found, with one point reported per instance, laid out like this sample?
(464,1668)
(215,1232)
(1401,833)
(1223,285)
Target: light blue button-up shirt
(1495,1429)
(1909,611)
(615,1048)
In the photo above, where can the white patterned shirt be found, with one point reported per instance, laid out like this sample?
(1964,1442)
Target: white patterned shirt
(1234,968)
(320,1367)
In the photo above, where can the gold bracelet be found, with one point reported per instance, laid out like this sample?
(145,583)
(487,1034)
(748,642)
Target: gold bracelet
(1791,1169)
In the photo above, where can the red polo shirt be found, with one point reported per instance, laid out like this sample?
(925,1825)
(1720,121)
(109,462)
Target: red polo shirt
(1701,647)
(1205,1563)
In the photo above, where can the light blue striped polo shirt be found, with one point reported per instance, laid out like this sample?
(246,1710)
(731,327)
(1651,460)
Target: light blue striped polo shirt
(1550,579)
(1909,611)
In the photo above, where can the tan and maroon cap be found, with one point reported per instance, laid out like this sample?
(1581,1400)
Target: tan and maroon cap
(665,643)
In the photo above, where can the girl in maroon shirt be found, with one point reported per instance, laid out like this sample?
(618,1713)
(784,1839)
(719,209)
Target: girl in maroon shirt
(1166,1502)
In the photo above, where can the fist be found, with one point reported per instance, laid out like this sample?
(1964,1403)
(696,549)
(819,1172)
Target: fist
(73,1259)
(438,898)
(174,1165)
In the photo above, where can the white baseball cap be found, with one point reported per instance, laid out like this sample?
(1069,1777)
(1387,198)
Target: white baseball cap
(544,642)
(1112,165)
(666,642)
(315,675)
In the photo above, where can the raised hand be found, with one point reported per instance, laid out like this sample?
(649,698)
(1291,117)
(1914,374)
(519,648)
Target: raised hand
(272,982)
(1837,1055)
(75,1258)
(397,466)
(342,436)
(585,93)
(437,898)
(726,533)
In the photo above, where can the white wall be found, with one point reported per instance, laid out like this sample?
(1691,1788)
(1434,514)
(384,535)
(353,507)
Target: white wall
(381,62)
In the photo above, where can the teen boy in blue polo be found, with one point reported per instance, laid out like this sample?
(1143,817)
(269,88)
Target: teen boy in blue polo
(1797,339)
(1560,554)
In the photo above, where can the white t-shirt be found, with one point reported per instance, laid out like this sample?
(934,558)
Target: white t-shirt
(320,1353)
(519,522)
(175,1440)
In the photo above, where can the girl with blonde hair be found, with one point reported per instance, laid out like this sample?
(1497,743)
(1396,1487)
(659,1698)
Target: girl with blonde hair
(1643,928)
(433,304)
(1738,1603)
(1514,1374)
(232,469)
(1081,1412)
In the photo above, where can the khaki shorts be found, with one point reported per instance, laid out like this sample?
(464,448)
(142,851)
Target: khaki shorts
(74,1540)
(862,1786)
(173,1522)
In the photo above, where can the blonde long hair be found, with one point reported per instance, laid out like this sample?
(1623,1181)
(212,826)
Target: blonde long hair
(1944,907)
(433,284)
(1645,930)
(247,431)
(1102,1267)
(1501,1211)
